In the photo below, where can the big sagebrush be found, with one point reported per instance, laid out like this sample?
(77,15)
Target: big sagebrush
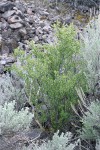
(12,120)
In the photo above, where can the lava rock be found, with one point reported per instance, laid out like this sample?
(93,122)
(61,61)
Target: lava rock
(16,25)
(8,14)
(15,19)
(6,6)
(23,32)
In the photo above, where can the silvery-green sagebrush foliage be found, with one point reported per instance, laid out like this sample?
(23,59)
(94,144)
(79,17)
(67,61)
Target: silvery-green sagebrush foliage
(91,122)
(9,92)
(12,120)
(89,116)
(91,52)
(61,142)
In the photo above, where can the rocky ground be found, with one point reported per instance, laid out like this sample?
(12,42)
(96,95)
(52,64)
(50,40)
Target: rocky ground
(13,142)
(21,22)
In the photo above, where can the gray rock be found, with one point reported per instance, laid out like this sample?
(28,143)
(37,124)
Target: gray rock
(44,37)
(16,25)
(3,62)
(39,31)
(4,25)
(44,13)
(23,31)
(8,14)
(20,6)
(30,11)
(11,44)
(47,28)
(23,46)
(33,30)
(16,36)
(31,19)
(5,6)
(40,37)
(49,40)
(54,19)
(4,48)
(36,39)
(20,22)
(6,33)
(15,19)
(10,60)
(34,134)
(67,20)
(42,24)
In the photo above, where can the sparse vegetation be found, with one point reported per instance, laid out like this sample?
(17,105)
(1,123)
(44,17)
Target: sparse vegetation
(62,142)
(60,82)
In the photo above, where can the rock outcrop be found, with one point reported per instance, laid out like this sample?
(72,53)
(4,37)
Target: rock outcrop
(20,23)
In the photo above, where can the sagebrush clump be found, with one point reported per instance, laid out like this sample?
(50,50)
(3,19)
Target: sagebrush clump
(62,142)
(12,120)
(90,49)
(91,56)
(10,92)
(91,122)
(89,117)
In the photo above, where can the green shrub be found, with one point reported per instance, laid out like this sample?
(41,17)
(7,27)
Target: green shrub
(51,73)
(12,120)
